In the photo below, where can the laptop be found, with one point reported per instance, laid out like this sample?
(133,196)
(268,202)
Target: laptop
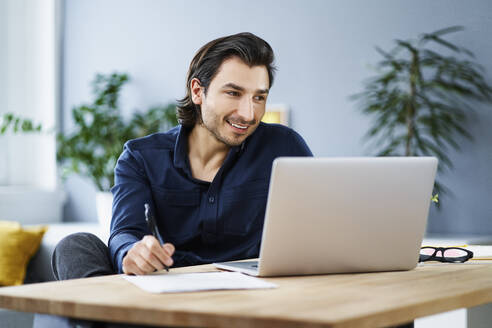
(343,215)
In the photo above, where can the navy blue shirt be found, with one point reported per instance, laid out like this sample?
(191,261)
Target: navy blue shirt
(207,222)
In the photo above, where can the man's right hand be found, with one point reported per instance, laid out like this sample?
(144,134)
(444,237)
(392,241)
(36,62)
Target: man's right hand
(147,256)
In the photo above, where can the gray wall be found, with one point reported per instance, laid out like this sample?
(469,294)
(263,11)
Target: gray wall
(3,87)
(324,50)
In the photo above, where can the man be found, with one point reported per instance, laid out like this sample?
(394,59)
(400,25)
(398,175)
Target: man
(206,180)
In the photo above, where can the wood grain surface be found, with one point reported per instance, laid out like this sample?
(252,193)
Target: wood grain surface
(338,300)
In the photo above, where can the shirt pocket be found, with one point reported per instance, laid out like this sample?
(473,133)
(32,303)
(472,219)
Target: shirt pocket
(177,213)
(243,207)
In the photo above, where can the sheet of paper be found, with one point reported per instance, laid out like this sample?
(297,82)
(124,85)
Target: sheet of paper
(480,252)
(190,282)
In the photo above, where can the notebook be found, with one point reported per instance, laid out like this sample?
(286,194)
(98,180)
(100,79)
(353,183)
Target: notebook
(341,215)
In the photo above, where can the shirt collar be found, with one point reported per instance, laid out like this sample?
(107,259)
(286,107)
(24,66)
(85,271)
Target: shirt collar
(181,148)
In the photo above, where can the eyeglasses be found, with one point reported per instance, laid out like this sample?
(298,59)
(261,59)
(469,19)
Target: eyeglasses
(445,254)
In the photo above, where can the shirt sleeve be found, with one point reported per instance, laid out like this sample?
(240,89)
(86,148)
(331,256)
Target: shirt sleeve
(130,192)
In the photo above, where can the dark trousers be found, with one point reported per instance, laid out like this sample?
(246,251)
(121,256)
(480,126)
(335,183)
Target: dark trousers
(81,255)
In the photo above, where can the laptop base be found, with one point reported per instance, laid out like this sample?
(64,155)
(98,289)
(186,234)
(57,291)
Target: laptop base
(247,267)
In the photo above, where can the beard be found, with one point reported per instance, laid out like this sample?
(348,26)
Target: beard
(213,123)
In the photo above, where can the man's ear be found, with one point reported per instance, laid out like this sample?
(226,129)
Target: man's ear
(196,91)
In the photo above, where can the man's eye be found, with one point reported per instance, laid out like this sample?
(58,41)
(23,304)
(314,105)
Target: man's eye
(233,93)
(259,98)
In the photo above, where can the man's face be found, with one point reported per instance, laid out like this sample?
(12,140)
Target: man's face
(235,101)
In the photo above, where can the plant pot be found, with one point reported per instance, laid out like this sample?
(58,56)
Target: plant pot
(104,203)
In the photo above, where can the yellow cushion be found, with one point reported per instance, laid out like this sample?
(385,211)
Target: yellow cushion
(17,246)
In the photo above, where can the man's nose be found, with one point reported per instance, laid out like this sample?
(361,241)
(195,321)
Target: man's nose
(246,109)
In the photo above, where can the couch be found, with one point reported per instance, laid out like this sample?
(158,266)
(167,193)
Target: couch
(39,268)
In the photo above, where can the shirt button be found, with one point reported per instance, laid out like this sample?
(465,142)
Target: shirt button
(211,199)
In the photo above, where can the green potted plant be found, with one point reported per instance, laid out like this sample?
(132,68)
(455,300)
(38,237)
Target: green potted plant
(421,96)
(99,133)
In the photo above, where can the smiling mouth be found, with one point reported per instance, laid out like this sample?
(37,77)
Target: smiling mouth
(238,126)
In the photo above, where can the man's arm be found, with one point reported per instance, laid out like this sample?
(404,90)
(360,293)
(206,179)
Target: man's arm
(132,249)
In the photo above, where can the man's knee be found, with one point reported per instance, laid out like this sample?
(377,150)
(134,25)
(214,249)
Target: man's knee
(80,244)
(79,240)
(80,255)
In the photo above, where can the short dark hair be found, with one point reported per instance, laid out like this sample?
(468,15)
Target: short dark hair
(251,49)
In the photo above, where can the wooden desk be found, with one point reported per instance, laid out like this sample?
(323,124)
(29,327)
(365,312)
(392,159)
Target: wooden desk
(342,300)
